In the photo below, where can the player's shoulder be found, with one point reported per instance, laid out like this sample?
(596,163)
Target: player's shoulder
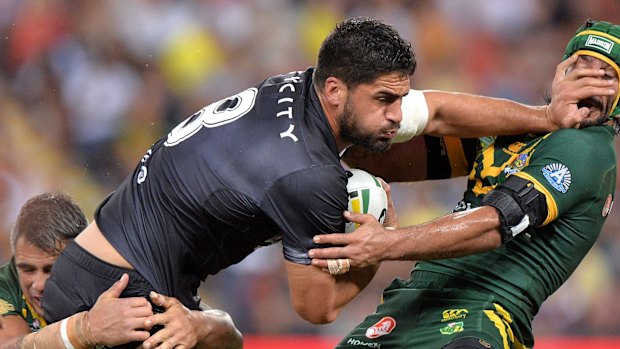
(588,141)
(9,291)
(594,135)
(7,274)
(290,78)
(310,184)
(585,152)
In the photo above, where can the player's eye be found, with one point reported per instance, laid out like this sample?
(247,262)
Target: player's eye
(26,270)
(387,100)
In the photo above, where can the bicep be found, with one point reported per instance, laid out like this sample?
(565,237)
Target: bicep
(421,158)
(403,162)
(312,292)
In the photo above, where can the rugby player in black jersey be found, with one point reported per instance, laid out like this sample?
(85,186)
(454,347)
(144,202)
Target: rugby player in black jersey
(263,166)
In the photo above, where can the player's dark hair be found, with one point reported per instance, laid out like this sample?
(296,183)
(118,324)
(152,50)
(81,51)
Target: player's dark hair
(48,221)
(361,49)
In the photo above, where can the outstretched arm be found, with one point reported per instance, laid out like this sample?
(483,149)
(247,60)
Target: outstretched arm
(185,328)
(465,115)
(454,235)
(12,329)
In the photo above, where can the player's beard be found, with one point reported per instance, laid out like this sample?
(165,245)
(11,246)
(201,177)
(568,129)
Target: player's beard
(599,120)
(351,133)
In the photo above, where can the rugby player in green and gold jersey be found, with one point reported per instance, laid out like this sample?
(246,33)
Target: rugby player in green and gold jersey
(45,225)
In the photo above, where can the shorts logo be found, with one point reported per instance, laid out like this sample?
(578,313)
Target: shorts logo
(600,43)
(453,314)
(452,328)
(558,176)
(382,327)
(609,203)
(484,343)
(360,343)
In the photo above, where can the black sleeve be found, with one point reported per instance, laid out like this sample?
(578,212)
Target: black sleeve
(307,203)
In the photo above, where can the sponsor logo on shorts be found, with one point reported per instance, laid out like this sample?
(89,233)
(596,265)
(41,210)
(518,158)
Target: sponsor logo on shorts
(453,314)
(600,43)
(361,343)
(484,343)
(381,328)
(558,176)
(453,327)
(609,203)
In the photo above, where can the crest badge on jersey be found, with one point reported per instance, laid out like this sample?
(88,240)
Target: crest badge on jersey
(381,328)
(558,175)
(516,165)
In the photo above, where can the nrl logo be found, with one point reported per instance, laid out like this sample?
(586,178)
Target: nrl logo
(600,43)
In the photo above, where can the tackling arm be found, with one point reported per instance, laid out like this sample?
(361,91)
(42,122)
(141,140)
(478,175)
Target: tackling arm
(12,331)
(182,327)
(454,235)
(403,162)
(509,209)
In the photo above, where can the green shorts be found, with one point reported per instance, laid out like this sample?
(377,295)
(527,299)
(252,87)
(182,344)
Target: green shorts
(424,318)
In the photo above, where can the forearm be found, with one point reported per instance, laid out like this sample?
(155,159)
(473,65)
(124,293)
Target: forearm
(455,235)
(319,297)
(219,331)
(51,336)
(13,343)
(468,116)
(14,329)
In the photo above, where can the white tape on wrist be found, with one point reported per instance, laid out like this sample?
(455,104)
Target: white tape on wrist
(64,335)
(415,116)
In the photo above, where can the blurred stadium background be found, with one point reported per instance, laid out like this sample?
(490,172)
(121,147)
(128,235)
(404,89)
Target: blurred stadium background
(87,86)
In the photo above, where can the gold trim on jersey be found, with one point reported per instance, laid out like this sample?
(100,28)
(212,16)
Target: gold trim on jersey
(5,307)
(35,315)
(488,158)
(456,156)
(552,207)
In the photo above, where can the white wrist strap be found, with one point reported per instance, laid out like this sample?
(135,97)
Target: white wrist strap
(64,335)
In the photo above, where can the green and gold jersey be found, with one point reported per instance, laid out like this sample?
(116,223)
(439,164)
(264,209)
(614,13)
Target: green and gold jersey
(576,170)
(13,301)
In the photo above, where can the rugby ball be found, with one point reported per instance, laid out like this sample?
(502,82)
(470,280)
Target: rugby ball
(366,195)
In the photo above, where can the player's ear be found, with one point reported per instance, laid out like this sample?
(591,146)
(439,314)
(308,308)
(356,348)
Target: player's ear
(335,91)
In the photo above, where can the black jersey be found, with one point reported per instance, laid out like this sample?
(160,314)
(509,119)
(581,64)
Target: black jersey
(247,171)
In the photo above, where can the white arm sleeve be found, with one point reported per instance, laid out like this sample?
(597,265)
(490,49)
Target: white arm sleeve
(415,116)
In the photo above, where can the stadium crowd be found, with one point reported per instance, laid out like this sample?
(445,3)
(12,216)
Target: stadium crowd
(85,85)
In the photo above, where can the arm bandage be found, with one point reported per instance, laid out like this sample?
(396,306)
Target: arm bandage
(415,116)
